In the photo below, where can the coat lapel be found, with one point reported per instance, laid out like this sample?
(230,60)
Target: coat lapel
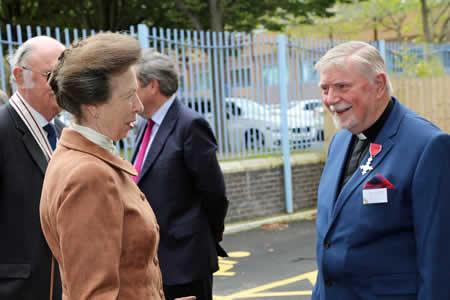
(29,141)
(384,138)
(137,142)
(338,165)
(73,140)
(164,130)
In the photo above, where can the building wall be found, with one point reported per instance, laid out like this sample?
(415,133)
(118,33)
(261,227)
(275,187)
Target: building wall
(255,187)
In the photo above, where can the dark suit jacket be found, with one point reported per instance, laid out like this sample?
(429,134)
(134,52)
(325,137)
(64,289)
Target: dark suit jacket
(397,249)
(25,259)
(183,182)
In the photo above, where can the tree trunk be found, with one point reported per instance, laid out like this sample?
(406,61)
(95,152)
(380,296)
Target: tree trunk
(216,16)
(426,22)
(375,29)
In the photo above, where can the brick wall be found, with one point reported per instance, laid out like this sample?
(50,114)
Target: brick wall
(255,187)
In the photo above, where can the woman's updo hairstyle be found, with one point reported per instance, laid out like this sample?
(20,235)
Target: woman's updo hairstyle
(82,74)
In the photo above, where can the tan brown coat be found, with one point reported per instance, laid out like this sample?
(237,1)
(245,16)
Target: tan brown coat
(99,225)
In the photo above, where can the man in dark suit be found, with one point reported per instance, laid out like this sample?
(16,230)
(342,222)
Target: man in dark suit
(25,259)
(175,156)
(383,211)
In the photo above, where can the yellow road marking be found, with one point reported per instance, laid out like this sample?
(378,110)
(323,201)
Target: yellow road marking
(239,254)
(261,291)
(225,265)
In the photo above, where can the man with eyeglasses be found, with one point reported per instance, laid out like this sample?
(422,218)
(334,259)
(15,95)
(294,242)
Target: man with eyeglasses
(28,138)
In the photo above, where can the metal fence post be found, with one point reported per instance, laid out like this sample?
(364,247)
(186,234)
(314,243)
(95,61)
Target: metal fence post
(382,49)
(143,34)
(283,74)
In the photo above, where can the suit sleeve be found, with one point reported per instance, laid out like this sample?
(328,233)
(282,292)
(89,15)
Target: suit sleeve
(89,226)
(201,160)
(430,194)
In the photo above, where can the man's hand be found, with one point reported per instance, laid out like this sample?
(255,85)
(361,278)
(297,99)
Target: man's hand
(187,298)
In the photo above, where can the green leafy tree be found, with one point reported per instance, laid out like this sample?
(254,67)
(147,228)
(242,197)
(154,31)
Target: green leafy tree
(245,15)
(214,15)
(412,65)
(435,19)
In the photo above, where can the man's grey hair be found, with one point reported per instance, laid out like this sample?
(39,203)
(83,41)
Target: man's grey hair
(154,65)
(17,59)
(367,58)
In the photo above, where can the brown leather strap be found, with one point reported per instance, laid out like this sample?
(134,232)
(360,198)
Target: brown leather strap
(51,278)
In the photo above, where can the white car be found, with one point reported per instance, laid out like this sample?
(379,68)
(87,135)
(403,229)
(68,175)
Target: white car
(254,125)
(311,112)
(251,125)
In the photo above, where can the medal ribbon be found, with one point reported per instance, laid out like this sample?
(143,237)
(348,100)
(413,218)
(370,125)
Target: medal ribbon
(374,149)
(24,111)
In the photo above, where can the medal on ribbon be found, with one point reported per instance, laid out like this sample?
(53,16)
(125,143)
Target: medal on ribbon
(374,150)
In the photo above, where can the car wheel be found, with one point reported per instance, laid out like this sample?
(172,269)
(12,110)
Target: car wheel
(254,139)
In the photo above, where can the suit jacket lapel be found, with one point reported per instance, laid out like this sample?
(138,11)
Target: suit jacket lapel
(159,140)
(29,141)
(338,165)
(384,138)
(137,142)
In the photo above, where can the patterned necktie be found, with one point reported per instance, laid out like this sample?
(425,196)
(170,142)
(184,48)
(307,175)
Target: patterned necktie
(143,148)
(51,134)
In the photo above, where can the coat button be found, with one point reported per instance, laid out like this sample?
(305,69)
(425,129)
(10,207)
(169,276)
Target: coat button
(328,282)
(327,244)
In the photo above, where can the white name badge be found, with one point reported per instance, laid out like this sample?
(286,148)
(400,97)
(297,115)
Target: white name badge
(371,196)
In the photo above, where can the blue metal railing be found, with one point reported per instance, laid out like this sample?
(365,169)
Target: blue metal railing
(234,80)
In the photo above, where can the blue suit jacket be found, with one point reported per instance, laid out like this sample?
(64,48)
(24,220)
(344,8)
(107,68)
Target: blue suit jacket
(394,250)
(184,185)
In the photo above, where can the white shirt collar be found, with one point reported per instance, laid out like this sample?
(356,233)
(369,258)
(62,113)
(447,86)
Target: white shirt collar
(95,137)
(159,115)
(361,136)
(40,119)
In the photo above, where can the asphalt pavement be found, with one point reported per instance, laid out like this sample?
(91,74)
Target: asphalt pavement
(275,260)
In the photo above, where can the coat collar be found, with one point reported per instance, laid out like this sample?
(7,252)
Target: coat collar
(75,141)
(385,139)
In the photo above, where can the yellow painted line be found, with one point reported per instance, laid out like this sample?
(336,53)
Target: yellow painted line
(276,294)
(223,270)
(226,265)
(239,254)
(256,292)
(228,274)
(227,262)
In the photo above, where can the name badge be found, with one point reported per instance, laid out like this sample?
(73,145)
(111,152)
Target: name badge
(371,196)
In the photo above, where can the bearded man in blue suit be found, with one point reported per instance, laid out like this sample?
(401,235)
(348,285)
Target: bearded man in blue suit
(383,212)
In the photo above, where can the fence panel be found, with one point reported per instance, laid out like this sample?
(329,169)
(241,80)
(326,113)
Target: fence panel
(232,79)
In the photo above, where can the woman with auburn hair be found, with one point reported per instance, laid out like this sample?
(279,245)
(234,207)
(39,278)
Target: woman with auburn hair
(98,224)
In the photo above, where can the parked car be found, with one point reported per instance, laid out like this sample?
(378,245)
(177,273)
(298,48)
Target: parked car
(255,125)
(311,111)
(252,125)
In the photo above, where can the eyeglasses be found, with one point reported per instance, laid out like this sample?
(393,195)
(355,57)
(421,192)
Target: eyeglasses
(46,74)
